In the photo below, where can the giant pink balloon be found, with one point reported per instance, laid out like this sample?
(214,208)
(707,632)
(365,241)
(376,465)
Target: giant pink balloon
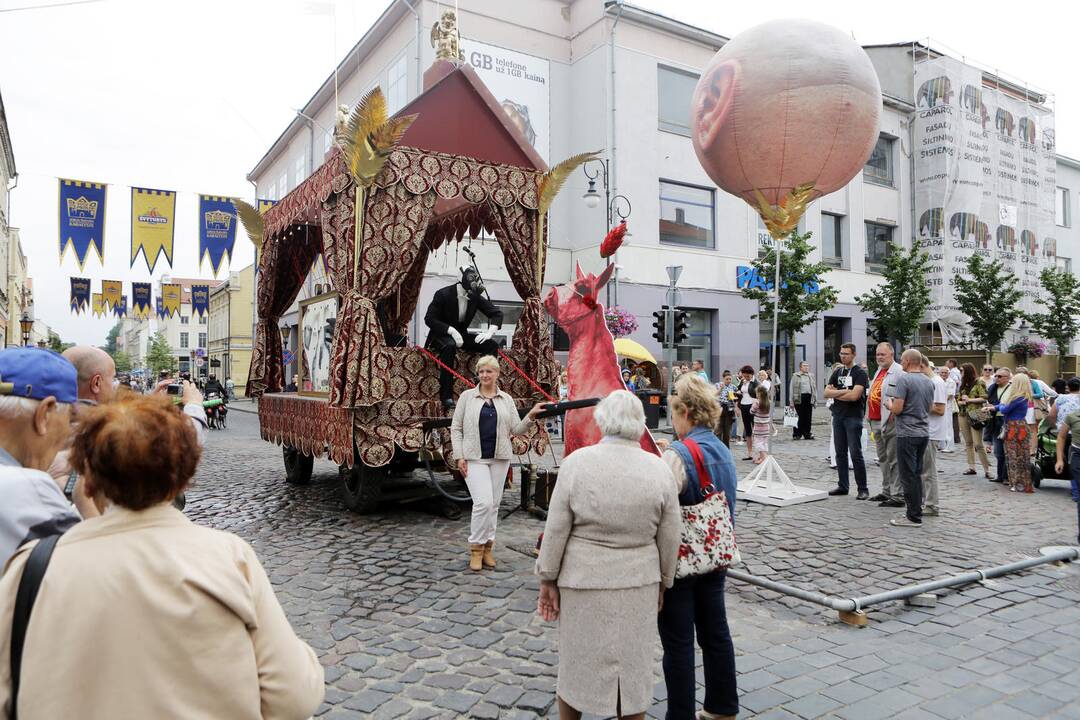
(785,103)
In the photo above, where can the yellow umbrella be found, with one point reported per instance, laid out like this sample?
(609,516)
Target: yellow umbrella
(630,349)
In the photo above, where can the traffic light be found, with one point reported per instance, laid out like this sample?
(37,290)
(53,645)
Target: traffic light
(680,326)
(660,324)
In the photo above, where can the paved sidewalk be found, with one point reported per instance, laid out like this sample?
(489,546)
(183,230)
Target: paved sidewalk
(404,630)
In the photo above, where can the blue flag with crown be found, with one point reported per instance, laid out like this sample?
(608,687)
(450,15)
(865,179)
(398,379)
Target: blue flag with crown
(80,294)
(120,309)
(82,218)
(200,299)
(217,229)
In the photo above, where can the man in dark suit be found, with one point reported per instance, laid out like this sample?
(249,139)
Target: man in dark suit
(448,317)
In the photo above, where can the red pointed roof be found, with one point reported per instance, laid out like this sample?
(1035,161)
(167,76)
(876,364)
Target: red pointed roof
(460,116)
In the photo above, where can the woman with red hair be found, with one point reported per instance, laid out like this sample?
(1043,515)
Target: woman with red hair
(142,613)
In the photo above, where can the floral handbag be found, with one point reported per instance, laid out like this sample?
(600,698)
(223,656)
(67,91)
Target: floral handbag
(708,535)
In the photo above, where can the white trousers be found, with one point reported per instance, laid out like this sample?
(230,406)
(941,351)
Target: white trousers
(486,479)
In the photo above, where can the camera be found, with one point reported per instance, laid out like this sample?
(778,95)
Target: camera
(175,389)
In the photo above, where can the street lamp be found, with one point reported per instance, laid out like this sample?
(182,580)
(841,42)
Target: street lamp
(26,324)
(615,207)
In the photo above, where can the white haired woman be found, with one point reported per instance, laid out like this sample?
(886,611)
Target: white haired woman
(610,547)
(484,419)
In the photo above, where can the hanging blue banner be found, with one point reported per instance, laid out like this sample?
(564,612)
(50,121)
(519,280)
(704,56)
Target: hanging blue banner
(140,299)
(200,299)
(158,308)
(80,294)
(82,218)
(120,309)
(217,229)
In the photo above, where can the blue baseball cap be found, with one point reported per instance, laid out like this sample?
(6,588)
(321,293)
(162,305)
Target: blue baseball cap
(36,373)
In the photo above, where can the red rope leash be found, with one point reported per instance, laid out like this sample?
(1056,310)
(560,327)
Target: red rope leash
(443,365)
(529,379)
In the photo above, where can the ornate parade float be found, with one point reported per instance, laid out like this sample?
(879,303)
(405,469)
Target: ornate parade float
(393,190)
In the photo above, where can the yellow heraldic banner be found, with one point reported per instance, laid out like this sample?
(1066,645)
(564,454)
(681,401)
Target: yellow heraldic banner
(97,305)
(111,292)
(171,294)
(153,215)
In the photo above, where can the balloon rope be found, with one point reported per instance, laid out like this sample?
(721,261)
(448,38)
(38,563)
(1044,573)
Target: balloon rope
(529,379)
(444,366)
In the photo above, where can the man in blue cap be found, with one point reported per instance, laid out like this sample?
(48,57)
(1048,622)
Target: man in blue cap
(37,391)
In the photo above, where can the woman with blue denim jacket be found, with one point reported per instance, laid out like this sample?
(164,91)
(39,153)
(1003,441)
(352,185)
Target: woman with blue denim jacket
(697,603)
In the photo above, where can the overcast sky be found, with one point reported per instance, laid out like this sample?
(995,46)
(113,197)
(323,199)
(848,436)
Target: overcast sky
(187,96)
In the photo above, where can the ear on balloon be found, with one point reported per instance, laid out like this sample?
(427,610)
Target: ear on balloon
(714,98)
(577,268)
(602,279)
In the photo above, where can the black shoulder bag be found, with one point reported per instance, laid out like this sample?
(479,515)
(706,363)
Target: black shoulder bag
(29,584)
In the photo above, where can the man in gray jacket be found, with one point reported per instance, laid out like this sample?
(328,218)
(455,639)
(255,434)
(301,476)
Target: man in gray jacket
(802,395)
(882,429)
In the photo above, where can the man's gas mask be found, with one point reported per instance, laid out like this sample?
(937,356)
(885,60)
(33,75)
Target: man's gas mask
(470,280)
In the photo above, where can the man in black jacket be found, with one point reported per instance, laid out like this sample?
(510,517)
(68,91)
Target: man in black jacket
(448,317)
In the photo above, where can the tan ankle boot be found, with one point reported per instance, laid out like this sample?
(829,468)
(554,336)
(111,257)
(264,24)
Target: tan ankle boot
(489,555)
(476,557)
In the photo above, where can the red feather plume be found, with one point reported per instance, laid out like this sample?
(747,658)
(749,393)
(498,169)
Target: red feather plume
(613,240)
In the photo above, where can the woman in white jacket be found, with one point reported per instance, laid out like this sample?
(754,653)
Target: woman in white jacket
(484,419)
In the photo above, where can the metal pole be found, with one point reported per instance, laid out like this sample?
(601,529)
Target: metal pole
(607,211)
(776,312)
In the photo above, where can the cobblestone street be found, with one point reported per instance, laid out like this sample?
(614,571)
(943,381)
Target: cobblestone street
(404,630)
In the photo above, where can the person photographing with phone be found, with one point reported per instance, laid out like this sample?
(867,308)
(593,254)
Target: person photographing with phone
(484,419)
(847,389)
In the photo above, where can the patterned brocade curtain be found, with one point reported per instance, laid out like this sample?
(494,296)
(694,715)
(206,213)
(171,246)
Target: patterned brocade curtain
(283,264)
(515,227)
(394,224)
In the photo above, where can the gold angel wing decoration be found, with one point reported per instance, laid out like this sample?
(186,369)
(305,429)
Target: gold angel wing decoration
(369,113)
(387,135)
(251,220)
(555,177)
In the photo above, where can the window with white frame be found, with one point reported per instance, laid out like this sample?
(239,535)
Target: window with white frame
(878,238)
(283,185)
(687,215)
(183,340)
(184,319)
(301,170)
(1062,211)
(673,91)
(1063,263)
(202,340)
(397,85)
(328,140)
(511,312)
(832,239)
(879,168)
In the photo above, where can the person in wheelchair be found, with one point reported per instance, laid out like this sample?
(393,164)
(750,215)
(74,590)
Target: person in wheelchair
(448,316)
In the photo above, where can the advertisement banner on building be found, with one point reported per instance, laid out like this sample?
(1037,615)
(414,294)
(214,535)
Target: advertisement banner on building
(217,229)
(520,84)
(80,294)
(82,218)
(153,215)
(985,181)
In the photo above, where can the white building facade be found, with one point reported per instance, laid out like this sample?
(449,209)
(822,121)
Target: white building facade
(618,78)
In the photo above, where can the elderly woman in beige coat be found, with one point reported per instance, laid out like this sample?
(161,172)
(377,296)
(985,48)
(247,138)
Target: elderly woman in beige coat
(610,546)
(142,614)
(484,419)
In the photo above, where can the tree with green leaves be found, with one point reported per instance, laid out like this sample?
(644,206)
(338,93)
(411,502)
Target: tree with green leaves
(110,339)
(56,344)
(899,302)
(159,355)
(990,298)
(122,361)
(1060,322)
(803,295)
